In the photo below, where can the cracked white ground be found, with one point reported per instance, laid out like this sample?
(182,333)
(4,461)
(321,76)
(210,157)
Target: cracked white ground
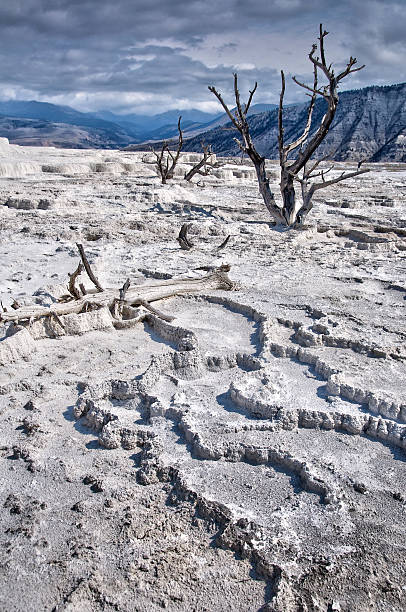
(248,455)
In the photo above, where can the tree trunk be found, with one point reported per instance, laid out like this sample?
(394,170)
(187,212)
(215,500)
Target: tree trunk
(288,196)
(265,190)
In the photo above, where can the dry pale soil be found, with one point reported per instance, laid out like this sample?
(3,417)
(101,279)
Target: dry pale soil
(248,455)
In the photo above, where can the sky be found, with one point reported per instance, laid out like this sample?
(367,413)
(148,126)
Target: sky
(148,56)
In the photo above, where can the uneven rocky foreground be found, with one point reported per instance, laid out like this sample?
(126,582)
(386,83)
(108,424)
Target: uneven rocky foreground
(250,454)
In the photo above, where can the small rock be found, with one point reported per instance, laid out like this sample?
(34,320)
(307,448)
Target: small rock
(30,405)
(359,487)
(78,507)
(88,479)
(97,487)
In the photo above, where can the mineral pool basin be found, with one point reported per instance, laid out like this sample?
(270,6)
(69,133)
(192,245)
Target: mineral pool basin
(219,329)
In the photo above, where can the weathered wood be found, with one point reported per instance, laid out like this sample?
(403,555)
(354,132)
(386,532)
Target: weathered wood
(88,268)
(183,239)
(240,122)
(224,243)
(136,295)
(204,166)
(124,289)
(72,279)
(155,311)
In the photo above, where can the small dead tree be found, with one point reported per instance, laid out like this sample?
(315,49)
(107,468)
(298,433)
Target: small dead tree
(295,170)
(204,166)
(166,160)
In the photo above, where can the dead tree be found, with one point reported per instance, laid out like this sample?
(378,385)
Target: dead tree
(307,144)
(203,166)
(166,160)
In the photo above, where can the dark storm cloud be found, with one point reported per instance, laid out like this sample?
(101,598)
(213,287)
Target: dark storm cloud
(150,54)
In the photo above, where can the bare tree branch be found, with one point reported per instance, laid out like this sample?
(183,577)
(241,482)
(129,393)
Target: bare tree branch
(124,289)
(224,105)
(183,239)
(72,279)
(88,268)
(252,92)
(224,243)
(280,120)
(344,176)
(203,166)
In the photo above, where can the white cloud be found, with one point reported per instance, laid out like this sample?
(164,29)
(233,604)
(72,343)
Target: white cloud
(148,55)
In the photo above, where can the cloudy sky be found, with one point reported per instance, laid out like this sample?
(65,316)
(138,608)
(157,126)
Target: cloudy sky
(148,56)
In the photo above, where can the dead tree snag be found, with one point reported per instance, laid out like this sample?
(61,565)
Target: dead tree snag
(294,170)
(203,166)
(166,160)
(183,239)
(239,120)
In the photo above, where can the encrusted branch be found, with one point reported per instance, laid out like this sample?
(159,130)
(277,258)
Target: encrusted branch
(88,268)
(72,279)
(155,311)
(136,295)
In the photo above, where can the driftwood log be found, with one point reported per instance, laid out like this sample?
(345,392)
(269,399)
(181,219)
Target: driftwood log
(139,295)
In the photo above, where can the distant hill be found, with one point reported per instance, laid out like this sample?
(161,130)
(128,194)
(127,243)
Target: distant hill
(369,124)
(53,112)
(38,132)
(103,129)
(162,125)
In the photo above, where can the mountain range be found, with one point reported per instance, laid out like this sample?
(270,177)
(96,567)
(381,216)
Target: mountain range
(370,123)
(45,124)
